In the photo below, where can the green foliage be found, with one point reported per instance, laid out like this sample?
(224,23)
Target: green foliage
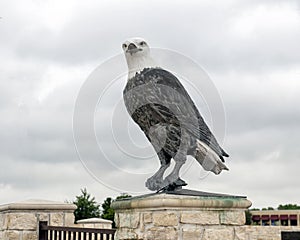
(280,207)
(248,217)
(122,196)
(288,207)
(87,207)
(269,208)
(107,211)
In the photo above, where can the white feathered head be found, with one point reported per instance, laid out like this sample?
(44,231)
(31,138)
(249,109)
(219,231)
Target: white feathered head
(137,53)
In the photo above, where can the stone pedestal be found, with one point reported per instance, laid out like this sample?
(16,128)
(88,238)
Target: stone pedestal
(173,216)
(20,221)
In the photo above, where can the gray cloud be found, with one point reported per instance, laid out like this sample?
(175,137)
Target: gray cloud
(235,35)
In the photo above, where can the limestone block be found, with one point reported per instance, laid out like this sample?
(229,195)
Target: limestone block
(69,219)
(130,219)
(240,233)
(147,217)
(218,233)
(43,217)
(2,222)
(32,235)
(264,232)
(200,217)
(117,220)
(56,219)
(165,219)
(165,233)
(126,234)
(21,221)
(11,235)
(232,217)
(192,234)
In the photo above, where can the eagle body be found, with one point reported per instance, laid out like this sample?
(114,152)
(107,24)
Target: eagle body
(159,104)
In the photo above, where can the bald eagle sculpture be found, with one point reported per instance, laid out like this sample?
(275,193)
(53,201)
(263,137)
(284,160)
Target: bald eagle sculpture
(160,105)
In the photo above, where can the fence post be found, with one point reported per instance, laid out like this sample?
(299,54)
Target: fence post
(43,231)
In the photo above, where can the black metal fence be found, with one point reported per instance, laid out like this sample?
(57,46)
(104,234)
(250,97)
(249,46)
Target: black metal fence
(290,235)
(47,232)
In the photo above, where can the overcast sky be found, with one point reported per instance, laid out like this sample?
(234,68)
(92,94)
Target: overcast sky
(250,50)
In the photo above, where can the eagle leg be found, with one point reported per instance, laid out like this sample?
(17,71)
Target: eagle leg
(154,183)
(173,177)
(180,158)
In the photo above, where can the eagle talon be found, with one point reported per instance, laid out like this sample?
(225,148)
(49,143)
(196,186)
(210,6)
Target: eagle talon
(178,184)
(153,183)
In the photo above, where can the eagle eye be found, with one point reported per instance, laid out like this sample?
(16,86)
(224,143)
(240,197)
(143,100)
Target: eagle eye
(124,45)
(142,43)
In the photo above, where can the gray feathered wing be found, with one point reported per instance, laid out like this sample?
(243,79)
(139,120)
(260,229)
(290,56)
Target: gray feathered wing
(155,96)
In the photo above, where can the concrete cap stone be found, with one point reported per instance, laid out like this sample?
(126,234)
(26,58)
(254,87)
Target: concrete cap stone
(37,204)
(93,220)
(181,201)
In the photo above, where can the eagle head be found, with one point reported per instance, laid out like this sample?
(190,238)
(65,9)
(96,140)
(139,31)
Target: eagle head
(135,47)
(137,54)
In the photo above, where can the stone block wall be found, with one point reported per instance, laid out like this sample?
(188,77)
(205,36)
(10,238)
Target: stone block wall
(172,217)
(195,225)
(262,232)
(19,221)
(178,224)
(160,217)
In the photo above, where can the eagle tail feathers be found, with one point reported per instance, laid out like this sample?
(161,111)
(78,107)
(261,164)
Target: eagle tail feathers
(209,160)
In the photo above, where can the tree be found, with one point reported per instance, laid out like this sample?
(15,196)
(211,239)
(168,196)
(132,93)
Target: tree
(254,209)
(87,206)
(268,208)
(288,207)
(107,211)
(248,217)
